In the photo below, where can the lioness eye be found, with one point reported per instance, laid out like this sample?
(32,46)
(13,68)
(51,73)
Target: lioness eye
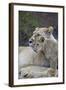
(42,39)
(38,34)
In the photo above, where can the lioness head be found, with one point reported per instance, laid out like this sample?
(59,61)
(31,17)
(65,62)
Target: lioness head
(40,35)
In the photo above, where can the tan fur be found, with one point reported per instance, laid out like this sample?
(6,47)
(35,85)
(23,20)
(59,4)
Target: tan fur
(43,52)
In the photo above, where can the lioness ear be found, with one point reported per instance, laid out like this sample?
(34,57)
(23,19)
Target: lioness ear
(50,29)
(37,28)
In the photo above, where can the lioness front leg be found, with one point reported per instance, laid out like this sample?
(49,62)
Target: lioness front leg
(35,72)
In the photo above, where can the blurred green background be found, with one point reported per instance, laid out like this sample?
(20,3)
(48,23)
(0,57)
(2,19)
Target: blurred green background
(28,21)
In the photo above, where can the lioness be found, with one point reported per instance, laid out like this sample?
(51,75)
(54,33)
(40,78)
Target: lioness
(41,58)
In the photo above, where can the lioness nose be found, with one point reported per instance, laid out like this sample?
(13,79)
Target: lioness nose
(30,41)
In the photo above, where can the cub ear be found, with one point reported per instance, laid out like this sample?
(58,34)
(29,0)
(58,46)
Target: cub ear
(50,29)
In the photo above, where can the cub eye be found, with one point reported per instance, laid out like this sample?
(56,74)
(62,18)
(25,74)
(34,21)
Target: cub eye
(42,39)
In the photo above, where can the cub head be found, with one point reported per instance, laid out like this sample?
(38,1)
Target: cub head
(40,35)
